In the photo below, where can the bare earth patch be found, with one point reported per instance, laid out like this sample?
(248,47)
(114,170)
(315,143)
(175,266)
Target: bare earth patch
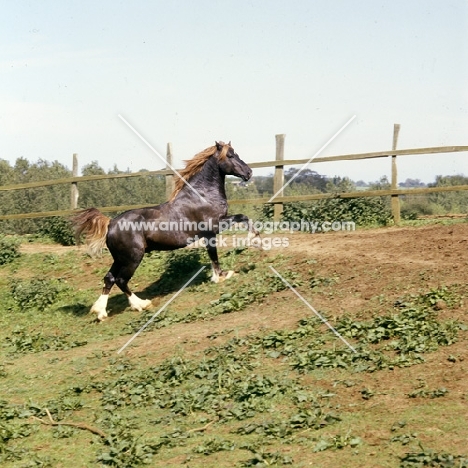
(366,271)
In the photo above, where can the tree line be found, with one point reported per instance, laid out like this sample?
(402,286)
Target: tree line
(151,189)
(108,192)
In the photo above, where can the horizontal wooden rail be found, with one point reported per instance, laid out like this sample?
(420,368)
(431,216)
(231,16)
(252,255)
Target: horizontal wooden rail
(286,162)
(261,201)
(48,214)
(377,154)
(69,180)
(360,194)
(278,164)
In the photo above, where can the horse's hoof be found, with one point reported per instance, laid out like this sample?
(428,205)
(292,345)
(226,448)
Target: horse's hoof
(99,307)
(225,275)
(140,308)
(147,304)
(139,304)
(101,315)
(254,240)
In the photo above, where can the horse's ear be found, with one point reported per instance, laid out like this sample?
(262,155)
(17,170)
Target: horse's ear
(229,143)
(219,146)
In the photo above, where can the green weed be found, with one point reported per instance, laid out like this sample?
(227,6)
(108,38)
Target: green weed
(427,457)
(22,341)
(37,293)
(9,249)
(337,442)
(424,393)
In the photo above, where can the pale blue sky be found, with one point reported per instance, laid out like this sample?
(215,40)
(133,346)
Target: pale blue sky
(192,72)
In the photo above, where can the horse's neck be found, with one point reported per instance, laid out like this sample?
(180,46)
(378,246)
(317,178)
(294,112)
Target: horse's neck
(209,182)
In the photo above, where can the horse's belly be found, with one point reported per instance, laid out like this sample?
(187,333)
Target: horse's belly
(167,241)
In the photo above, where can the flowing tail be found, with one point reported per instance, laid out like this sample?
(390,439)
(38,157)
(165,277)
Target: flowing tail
(93,225)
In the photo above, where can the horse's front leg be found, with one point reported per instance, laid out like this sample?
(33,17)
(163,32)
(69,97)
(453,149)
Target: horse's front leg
(218,274)
(227,221)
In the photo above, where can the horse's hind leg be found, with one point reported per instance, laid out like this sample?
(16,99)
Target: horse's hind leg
(123,277)
(99,307)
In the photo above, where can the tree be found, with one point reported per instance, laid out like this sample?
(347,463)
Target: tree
(306,176)
(412,183)
(95,192)
(340,184)
(452,202)
(382,184)
(33,199)
(264,184)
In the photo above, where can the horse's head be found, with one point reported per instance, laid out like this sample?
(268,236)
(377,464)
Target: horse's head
(230,163)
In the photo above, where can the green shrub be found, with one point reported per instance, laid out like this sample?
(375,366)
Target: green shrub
(9,249)
(413,207)
(23,341)
(59,229)
(37,293)
(362,211)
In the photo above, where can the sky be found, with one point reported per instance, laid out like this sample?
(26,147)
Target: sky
(195,72)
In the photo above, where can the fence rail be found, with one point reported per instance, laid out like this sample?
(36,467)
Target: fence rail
(253,165)
(278,164)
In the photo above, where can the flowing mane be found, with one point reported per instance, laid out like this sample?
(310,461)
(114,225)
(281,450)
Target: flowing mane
(194,165)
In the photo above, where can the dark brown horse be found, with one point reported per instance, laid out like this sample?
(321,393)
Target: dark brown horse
(197,210)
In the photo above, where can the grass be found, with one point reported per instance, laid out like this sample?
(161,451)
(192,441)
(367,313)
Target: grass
(235,374)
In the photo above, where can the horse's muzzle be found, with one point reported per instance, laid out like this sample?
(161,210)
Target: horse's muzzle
(246,177)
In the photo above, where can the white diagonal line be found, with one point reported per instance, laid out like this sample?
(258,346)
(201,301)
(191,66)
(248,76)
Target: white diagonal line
(323,319)
(312,158)
(158,155)
(161,309)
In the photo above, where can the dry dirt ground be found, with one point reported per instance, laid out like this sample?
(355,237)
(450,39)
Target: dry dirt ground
(394,253)
(370,270)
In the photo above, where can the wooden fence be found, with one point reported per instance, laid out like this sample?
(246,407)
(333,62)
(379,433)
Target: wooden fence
(278,180)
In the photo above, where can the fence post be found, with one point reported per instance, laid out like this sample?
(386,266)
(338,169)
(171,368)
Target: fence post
(394,198)
(278,178)
(169,177)
(74,186)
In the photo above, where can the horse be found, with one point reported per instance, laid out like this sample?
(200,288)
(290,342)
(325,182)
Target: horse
(197,209)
